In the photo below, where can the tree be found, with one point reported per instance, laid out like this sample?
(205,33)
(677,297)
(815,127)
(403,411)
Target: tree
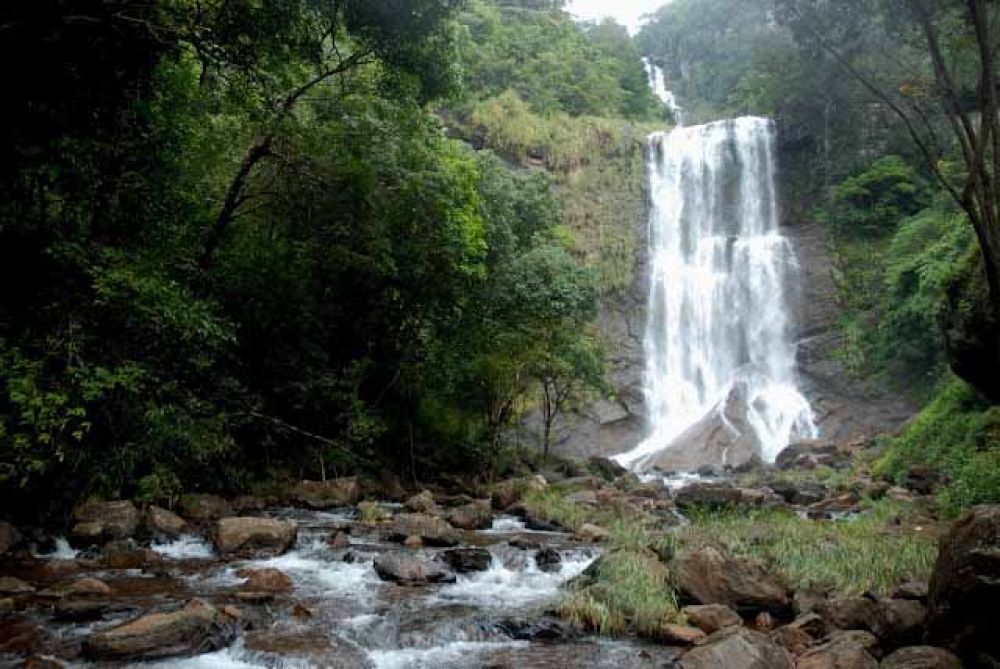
(566,365)
(974,127)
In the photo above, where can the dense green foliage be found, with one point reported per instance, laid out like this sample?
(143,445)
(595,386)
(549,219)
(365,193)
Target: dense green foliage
(955,439)
(236,243)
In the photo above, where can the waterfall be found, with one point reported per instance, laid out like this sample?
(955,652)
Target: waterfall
(658,83)
(717,342)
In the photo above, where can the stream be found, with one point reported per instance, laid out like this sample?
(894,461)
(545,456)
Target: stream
(342,615)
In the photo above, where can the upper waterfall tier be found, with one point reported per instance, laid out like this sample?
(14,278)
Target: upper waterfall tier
(720,363)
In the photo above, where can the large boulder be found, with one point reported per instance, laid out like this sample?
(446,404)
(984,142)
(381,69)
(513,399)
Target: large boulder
(432,530)
(464,560)
(9,537)
(328,494)
(97,522)
(711,617)
(806,454)
(844,651)
(898,622)
(202,508)
(197,628)
(254,536)
(126,554)
(477,515)
(849,613)
(737,648)
(965,588)
(707,576)
(163,524)
(421,503)
(921,657)
(411,570)
(708,495)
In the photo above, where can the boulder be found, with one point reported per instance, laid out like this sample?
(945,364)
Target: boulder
(97,522)
(421,503)
(898,622)
(88,587)
(464,560)
(801,493)
(327,494)
(10,585)
(203,508)
(431,530)
(737,648)
(548,560)
(811,624)
(606,468)
(163,524)
(80,609)
(921,657)
(266,580)
(544,628)
(411,570)
(793,639)
(840,652)
(507,493)
(477,515)
(679,635)
(197,628)
(591,533)
(848,613)
(806,454)
(126,554)
(707,576)
(711,617)
(413,542)
(965,588)
(253,536)
(9,537)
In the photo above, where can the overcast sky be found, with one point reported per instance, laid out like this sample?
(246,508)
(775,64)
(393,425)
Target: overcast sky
(625,11)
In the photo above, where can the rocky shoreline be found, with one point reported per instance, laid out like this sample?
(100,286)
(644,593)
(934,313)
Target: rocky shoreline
(334,575)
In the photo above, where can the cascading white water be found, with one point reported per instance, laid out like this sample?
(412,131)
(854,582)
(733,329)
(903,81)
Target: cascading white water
(658,83)
(718,325)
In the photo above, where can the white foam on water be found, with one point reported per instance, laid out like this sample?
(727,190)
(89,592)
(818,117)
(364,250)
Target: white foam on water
(312,573)
(185,547)
(506,525)
(233,657)
(63,551)
(502,587)
(457,654)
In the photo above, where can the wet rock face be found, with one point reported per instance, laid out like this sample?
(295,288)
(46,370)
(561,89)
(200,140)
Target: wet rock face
(737,648)
(197,628)
(432,530)
(965,588)
(327,494)
(707,576)
(252,536)
(97,522)
(465,560)
(548,560)
(921,657)
(411,570)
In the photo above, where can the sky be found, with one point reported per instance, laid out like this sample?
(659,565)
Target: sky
(625,11)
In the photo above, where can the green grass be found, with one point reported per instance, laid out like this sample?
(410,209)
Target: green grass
(869,553)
